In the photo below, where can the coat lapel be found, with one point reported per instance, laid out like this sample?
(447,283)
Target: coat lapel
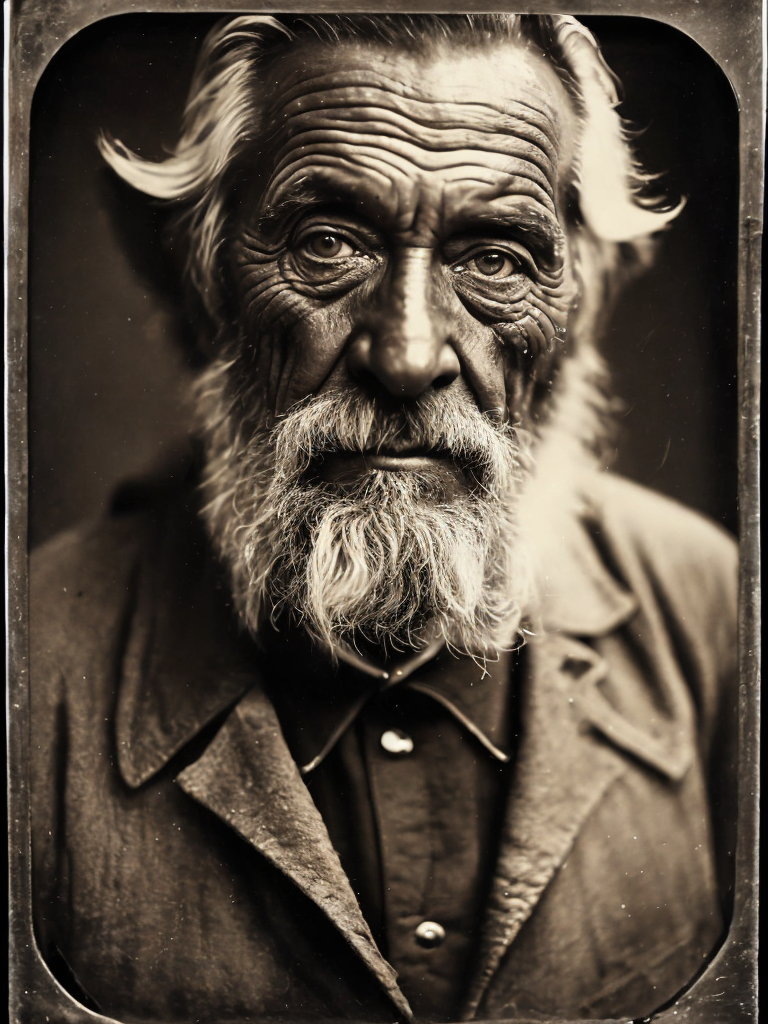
(562,772)
(247,777)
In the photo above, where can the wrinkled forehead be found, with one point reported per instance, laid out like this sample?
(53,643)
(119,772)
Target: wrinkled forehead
(463,112)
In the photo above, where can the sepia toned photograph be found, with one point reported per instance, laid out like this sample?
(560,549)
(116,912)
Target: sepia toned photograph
(381,415)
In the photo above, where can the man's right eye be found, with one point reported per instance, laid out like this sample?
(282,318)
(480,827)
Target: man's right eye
(327,246)
(329,260)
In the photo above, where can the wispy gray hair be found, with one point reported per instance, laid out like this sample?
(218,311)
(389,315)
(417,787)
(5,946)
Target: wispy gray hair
(613,215)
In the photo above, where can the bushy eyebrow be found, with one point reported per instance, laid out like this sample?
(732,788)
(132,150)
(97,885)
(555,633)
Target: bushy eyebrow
(302,197)
(514,216)
(520,219)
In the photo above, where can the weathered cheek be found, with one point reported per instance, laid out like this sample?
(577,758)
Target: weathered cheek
(541,325)
(533,342)
(294,341)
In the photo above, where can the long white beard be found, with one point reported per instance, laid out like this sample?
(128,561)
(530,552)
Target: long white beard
(387,559)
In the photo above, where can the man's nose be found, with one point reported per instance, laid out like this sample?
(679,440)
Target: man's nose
(404,343)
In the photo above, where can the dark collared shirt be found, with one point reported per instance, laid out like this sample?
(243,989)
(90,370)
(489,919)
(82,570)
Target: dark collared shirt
(409,769)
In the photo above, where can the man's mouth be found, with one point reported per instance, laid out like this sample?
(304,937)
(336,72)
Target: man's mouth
(344,467)
(403,458)
(401,461)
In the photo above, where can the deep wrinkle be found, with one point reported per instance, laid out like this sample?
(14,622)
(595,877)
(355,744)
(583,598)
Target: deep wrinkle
(410,173)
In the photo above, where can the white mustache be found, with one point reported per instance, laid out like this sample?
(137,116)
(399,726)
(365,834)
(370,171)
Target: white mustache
(438,423)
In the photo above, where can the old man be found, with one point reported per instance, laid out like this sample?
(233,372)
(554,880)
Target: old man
(400,707)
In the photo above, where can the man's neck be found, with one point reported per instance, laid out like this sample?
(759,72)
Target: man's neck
(390,658)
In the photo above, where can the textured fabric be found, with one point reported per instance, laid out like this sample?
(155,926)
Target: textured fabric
(182,870)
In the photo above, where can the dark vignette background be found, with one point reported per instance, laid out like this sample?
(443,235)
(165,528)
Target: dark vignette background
(107,370)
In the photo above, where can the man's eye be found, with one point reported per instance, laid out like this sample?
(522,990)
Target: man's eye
(494,263)
(327,246)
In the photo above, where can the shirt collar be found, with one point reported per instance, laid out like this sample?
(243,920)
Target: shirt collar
(398,671)
(186,659)
(319,698)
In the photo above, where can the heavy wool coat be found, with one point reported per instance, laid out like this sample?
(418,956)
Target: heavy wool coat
(183,873)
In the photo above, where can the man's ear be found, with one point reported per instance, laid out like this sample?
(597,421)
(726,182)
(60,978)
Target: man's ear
(203,332)
(603,269)
(146,233)
(199,326)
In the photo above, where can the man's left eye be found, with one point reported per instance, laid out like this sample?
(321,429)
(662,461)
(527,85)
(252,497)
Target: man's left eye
(327,246)
(493,263)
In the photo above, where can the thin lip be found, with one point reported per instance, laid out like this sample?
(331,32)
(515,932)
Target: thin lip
(387,459)
(387,452)
(406,460)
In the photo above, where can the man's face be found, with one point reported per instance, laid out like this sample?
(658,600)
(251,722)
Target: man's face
(409,234)
(402,273)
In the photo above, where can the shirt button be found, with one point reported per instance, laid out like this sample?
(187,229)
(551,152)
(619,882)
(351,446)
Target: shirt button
(430,934)
(395,741)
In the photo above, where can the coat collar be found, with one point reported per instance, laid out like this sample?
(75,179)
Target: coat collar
(185,659)
(578,593)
